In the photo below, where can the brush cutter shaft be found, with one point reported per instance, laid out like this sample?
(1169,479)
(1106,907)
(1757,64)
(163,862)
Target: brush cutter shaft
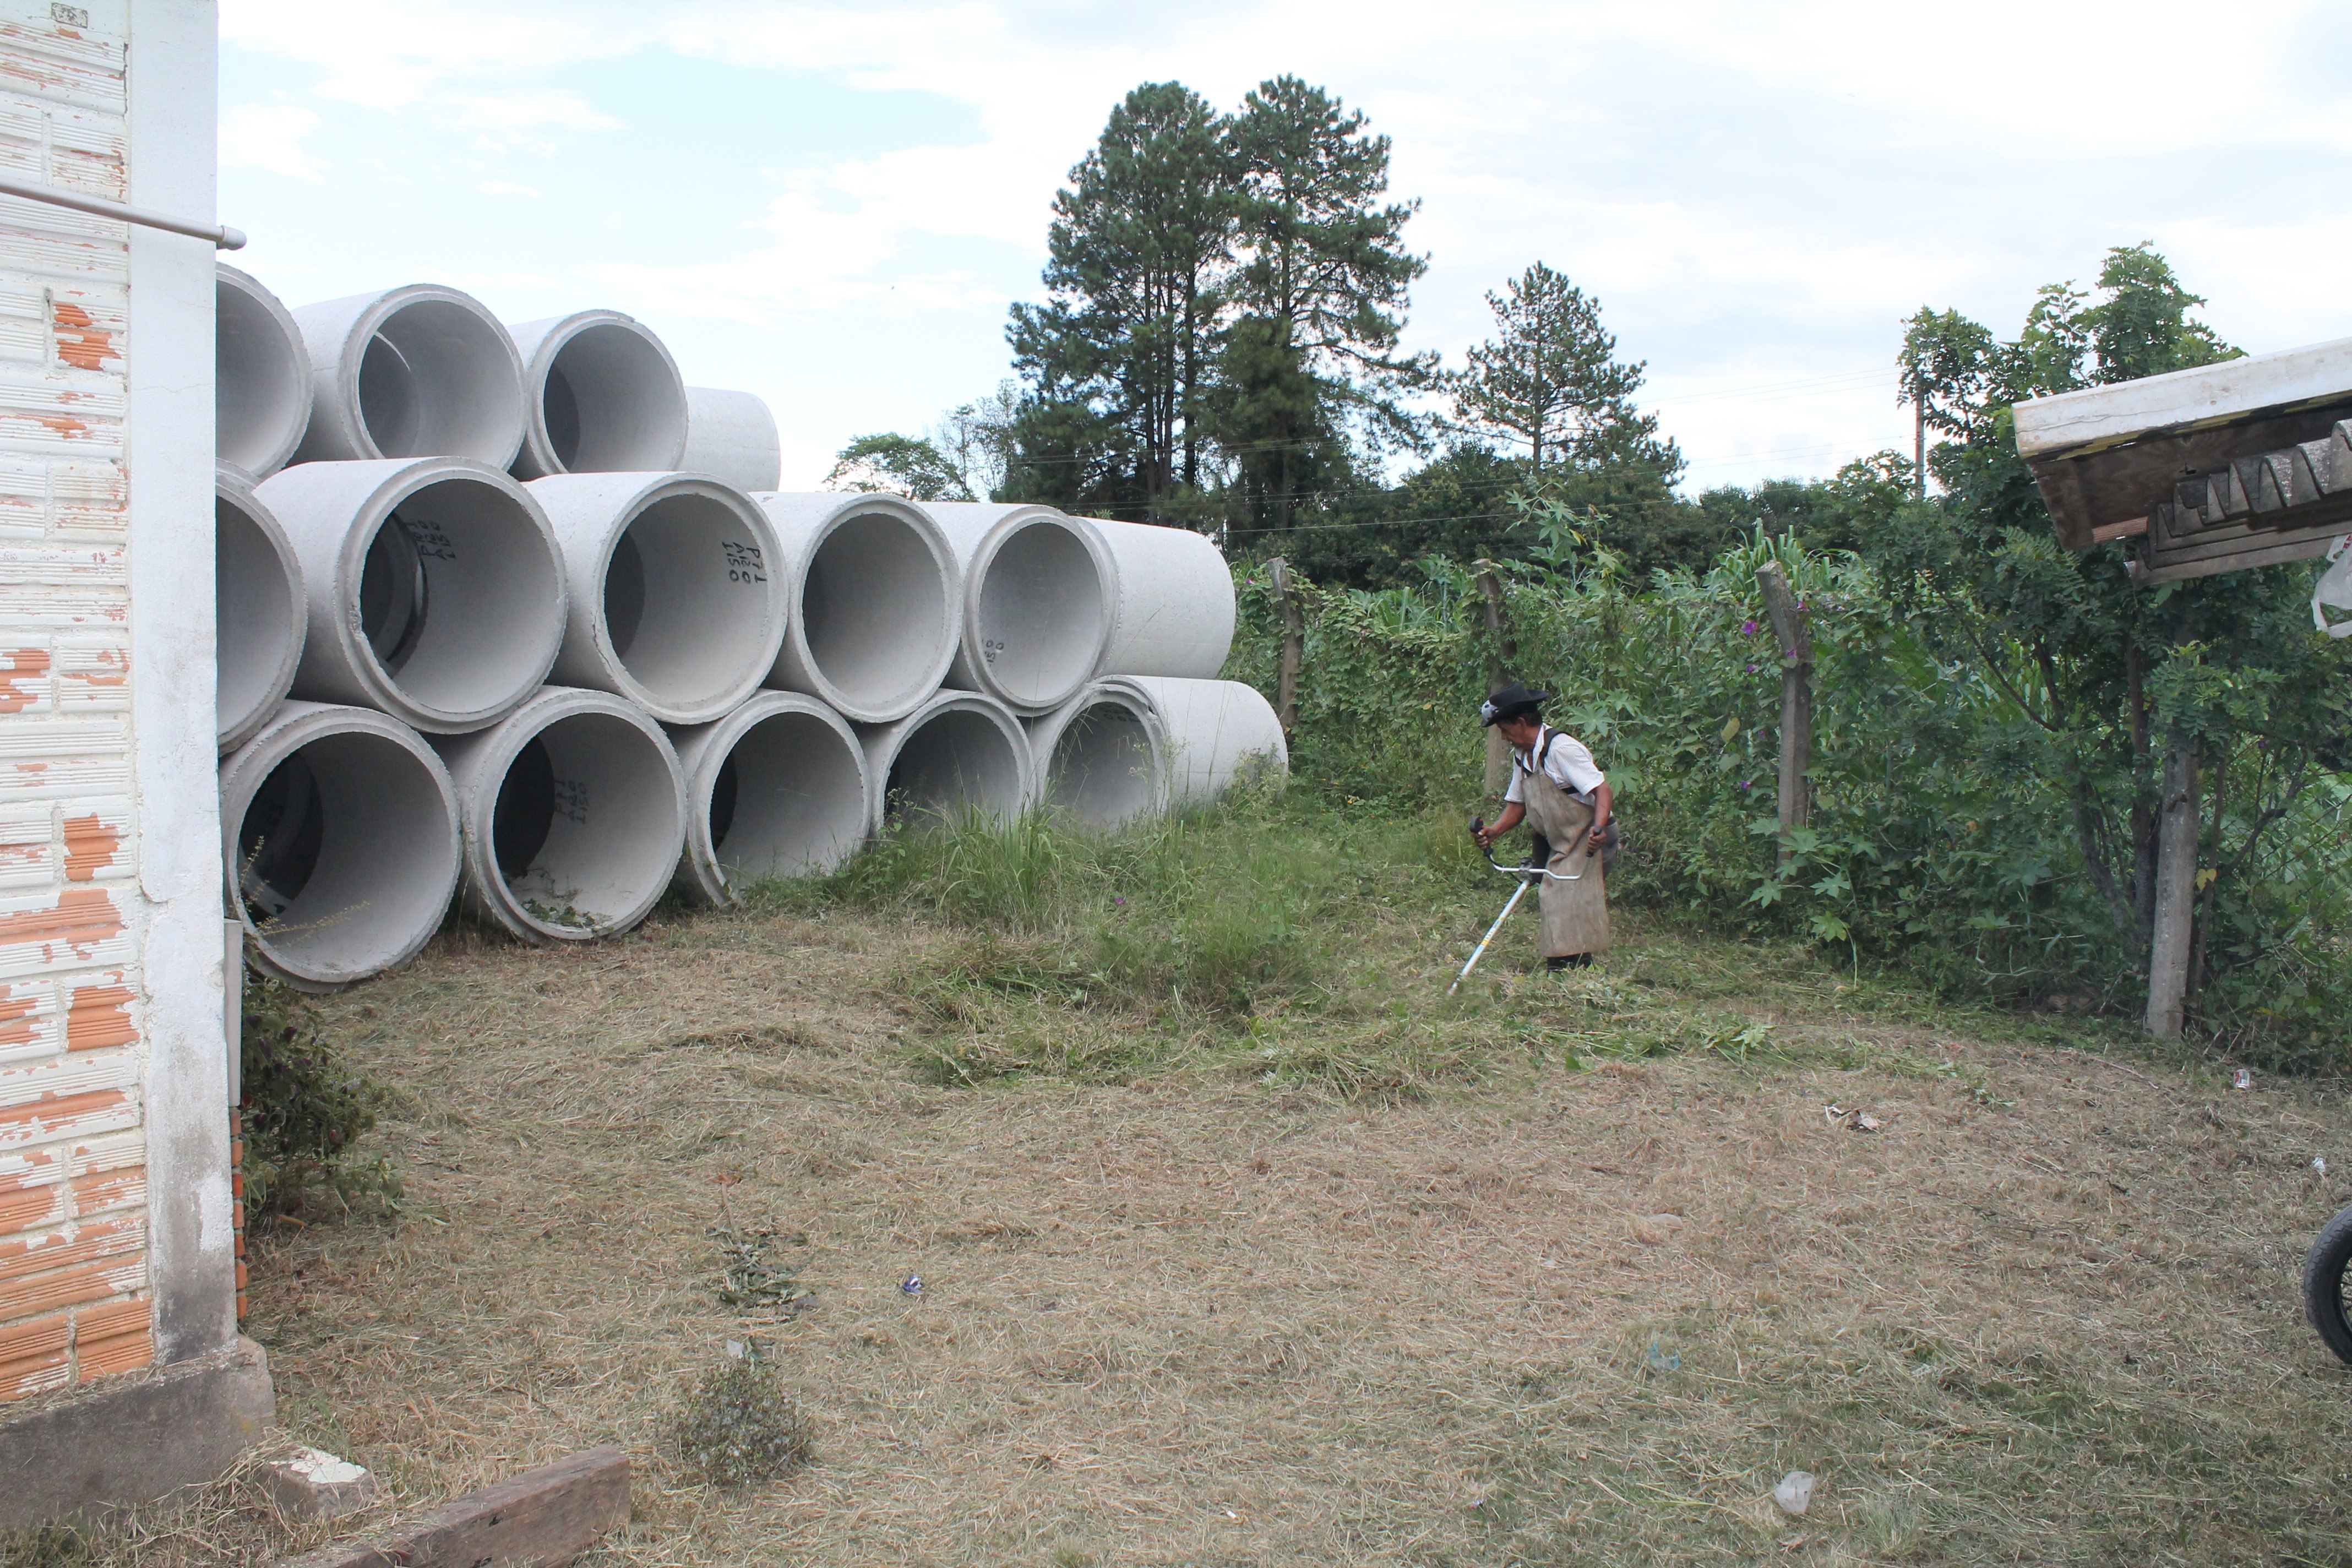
(1479,952)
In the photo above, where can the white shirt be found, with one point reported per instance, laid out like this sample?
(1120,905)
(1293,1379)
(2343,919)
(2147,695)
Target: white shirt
(1567,762)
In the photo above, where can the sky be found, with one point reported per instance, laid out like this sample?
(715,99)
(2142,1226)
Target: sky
(832,206)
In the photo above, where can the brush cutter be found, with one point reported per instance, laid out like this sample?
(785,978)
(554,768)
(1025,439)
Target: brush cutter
(1528,876)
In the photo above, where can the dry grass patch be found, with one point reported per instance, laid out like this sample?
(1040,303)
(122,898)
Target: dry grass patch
(1572,1272)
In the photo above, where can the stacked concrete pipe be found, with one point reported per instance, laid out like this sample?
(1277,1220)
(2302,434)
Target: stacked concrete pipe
(732,434)
(959,755)
(261,378)
(416,372)
(261,617)
(1101,757)
(675,602)
(435,590)
(1039,597)
(875,598)
(1174,615)
(339,832)
(600,394)
(574,809)
(1213,734)
(777,788)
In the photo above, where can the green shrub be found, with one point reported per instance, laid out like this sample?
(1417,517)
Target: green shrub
(304,1111)
(736,1426)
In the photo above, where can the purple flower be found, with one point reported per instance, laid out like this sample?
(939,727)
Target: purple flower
(1747,629)
(1752,669)
(1800,604)
(1745,783)
(1120,902)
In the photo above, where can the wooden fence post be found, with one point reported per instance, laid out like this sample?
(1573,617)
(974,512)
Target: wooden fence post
(1294,645)
(2176,890)
(1796,700)
(1502,653)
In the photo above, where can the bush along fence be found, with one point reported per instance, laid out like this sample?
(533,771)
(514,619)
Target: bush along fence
(1940,829)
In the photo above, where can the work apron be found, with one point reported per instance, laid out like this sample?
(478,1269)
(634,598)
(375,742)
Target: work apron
(1575,914)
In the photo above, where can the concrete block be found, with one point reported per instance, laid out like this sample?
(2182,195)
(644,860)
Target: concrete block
(132,1438)
(310,1483)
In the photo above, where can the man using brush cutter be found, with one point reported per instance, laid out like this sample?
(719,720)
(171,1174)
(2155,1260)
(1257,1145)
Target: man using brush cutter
(1556,784)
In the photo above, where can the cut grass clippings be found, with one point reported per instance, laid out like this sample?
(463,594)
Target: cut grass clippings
(1258,1249)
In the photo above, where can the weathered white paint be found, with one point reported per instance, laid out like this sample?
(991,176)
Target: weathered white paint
(2100,416)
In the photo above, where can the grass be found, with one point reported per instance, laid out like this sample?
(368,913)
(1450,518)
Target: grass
(1241,1244)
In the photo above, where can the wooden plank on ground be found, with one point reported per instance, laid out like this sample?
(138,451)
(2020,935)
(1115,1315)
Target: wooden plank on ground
(541,1518)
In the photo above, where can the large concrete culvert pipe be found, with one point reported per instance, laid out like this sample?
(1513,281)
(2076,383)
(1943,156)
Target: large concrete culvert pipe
(259,609)
(777,788)
(1038,599)
(261,377)
(1214,732)
(340,832)
(959,755)
(600,394)
(417,372)
(1175,603)
(732,436)
(875,601)
(676,602)
(1101,756)
(435,590)
(575,814)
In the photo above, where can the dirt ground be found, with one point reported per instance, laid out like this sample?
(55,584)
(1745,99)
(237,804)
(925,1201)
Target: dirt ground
(1586,1301)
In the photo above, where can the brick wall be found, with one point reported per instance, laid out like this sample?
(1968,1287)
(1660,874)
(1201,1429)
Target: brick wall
(73,1193)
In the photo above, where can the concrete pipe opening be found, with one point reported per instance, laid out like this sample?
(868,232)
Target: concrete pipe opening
(1174,614)
(874,596)
(959,755)
(417,372)
(775,789)
(1037,602)
(732,436)
(1099,756)
(258,607)
(1215,733)
(673,600)
(341,833)
(574,814)
(261,378)
(435,590)
(600,394)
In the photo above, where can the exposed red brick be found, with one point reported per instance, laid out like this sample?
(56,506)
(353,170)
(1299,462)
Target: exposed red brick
(21,664)
(124,1352)
(82,342)
(78,921)
(53,1116)
(16,1025)
(109,1320)
(23,1379)
(47,1250)
(68,1287)
(23,1341)
(90,848)
(110,1189)
(98,1016)
(28,1207)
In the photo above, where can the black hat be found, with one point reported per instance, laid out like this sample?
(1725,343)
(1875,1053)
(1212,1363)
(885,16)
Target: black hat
(1511,702)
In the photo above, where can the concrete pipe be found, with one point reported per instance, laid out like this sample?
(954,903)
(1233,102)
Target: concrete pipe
(777,788)
(874,600)
(1214,731)
(732,436)
(960,755)
(1175,606)
(1038,592)
(419,371)
(600,395)
(674,602)
(258,608)
(574,814)
(1101,756)
(435,590)
(340,830)
(261,378)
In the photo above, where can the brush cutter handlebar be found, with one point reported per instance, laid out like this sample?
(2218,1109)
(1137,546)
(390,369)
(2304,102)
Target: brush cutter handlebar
(1531,874)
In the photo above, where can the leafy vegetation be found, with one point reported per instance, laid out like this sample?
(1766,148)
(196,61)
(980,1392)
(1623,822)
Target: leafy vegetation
(305,1108)
(735,1425)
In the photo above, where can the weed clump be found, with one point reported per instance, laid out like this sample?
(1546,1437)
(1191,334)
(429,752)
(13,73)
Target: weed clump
(736,1426)
(44,1546)
(305,1108)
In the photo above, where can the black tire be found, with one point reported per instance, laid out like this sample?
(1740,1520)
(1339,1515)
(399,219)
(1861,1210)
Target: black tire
(2323,1285)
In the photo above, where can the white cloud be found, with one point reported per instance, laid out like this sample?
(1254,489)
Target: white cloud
(269,136)
(506,188)
(533,110)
